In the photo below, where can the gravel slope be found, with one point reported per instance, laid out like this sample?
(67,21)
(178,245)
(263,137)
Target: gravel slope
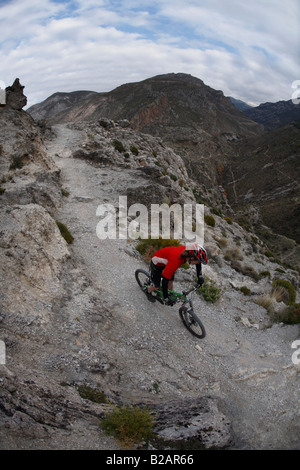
(144,347)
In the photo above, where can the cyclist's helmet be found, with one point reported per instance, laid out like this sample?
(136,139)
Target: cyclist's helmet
(199,253)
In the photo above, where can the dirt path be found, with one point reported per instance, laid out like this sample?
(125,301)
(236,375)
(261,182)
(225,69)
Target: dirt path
(249,369)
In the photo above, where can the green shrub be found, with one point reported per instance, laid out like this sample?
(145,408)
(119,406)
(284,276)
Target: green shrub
(292,315)
(65,193)
(217,211)
(134,150)
(264,274)
(209,220)
(65,232)
(89,393)
(129,424)
(288,286)
(147,247)
(119,146)
(245,290)
(228,220)
(17,163)
(209,291)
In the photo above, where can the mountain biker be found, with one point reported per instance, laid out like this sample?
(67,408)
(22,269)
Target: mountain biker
(166,261)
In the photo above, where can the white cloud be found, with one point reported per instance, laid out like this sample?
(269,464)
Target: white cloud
(248,50)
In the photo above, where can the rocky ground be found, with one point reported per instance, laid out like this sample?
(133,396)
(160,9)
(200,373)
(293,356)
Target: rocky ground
(73,314)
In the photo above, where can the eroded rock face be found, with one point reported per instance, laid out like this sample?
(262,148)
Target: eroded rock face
(28,175)
(193,423)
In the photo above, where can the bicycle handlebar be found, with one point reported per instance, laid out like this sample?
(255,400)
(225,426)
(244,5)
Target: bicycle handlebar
(189,291)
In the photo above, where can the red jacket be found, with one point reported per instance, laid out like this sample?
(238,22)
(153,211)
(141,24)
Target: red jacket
(170,258)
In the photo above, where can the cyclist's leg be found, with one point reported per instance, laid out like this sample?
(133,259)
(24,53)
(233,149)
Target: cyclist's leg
(155,274)
(171,283)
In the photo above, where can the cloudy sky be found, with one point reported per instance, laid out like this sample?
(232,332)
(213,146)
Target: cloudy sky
(247,49)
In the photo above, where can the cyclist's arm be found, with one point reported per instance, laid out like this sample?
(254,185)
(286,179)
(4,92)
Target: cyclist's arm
(199,269)
(199,274)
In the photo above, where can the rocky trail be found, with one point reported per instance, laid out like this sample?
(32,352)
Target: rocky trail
(74,315)
(146,346)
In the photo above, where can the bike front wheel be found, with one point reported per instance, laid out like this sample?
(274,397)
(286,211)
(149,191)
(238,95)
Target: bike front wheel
(143,279)
(192,322)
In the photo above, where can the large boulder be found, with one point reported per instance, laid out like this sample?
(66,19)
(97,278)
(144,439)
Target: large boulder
(192,423)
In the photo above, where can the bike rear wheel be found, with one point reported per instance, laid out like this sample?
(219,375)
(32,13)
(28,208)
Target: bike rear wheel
(192,322)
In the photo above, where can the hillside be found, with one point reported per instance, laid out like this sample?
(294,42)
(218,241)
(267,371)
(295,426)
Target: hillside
(58,103)
(214,139)
(265,174)
(192,118)
(73,317)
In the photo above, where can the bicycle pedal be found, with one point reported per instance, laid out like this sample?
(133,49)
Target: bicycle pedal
(150,297)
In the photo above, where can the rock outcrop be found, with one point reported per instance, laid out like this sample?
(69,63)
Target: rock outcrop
(15,97)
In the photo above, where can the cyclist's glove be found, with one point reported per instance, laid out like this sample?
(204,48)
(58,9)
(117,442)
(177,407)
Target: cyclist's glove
(169,302)
(200,281)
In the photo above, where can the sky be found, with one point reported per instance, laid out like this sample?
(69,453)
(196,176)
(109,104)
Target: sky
(247,49)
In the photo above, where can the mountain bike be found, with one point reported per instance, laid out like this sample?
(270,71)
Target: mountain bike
(186,310)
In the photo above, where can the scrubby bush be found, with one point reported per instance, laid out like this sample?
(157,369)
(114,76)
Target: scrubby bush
(16,164)
(119,146)
(209,220)
(217,211)
(147,247)
(209,291)
(233,254)
(281,292)
(269,301)
(291,315)
(244,269)
(129,424)
(245,290)
(89,393)
(134,150)
(264,274)
(65,232)
(288,286)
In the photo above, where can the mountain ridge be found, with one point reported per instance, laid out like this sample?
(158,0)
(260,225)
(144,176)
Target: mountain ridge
(208,131)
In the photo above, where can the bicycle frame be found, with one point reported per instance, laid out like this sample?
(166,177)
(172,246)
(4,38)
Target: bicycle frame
(175,296)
